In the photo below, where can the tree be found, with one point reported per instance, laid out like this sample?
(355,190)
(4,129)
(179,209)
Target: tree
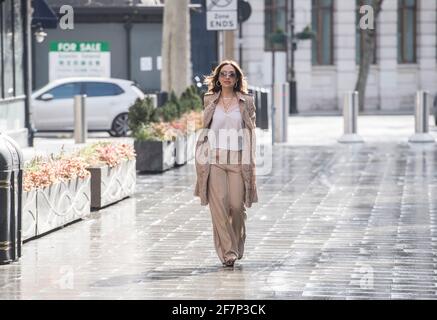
(369,39)
(176,70)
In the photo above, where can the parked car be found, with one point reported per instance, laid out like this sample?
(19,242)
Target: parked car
(107,104)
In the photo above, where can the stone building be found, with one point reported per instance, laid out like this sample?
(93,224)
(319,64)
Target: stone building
(326,67)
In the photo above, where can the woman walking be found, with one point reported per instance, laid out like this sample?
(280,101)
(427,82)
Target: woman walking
(225,158)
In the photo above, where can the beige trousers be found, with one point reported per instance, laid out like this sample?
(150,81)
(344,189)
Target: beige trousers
(226,203)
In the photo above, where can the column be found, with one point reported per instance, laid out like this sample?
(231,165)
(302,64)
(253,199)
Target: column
(387,53)
(426,42)
(344,48)
(303,65)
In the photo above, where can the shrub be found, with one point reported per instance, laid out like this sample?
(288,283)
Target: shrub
(156,132)
(147,122)
(190,100)
(142,111)
(171,109)
(106,153)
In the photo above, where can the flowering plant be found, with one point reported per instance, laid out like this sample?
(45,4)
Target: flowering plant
(107,153)
(193,118)
(42,172)
(162,131)
(169,131)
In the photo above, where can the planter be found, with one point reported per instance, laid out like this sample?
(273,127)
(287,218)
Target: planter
(29,215)
(55,206)
(109,185)
(191,145)
(181,150)
(154,156)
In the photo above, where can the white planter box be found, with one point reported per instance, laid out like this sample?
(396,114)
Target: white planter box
(109,185)
(181,150)
(55,206)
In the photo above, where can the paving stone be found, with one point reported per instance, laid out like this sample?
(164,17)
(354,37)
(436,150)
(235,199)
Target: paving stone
(333,222)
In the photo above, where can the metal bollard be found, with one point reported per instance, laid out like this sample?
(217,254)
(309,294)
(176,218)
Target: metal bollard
(350,115)
(11,189)
(421,119)
(285,110)
(80,124)
(281,100)
(264,110)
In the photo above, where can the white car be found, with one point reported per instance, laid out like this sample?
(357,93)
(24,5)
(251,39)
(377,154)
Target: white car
(107,103)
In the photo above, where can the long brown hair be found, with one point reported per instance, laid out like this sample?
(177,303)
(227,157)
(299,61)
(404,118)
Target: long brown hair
(211,80)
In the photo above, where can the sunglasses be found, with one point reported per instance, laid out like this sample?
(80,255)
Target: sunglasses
(224,74)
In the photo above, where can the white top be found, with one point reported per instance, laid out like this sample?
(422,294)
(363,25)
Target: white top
(226,127)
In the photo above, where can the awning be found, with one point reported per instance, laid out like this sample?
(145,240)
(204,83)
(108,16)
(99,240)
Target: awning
(43,15)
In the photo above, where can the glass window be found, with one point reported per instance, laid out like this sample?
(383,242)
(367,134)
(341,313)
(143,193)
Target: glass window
(8,49)
(275,19)
(65,91)
(99,89)
(18,47)
(407,31)
(322,24)
(359,34)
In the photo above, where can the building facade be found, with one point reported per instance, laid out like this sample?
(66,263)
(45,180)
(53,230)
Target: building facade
(327,66)
(129,35)
(12,70)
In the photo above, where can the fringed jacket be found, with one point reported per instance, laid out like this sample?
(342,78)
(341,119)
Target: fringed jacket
(247,110)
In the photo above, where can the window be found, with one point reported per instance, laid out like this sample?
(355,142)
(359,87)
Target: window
(322,24)
(8,50)
(275,13)
(65,91)
(11,49)
(359,39)
(407,31)
(18,48)
(99,89)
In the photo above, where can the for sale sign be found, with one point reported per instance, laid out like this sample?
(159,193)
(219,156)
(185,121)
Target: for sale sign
(221,15)
(79,59)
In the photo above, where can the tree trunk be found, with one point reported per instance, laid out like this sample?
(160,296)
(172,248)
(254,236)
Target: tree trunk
(369,40)
(176,70)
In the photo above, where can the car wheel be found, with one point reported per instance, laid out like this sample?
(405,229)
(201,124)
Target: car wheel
(120,126)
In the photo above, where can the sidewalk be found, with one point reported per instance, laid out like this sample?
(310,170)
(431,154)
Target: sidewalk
(333,221)
(321,130)
(302,130)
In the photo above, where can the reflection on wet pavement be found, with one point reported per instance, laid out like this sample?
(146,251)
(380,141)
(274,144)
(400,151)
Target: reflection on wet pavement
(336,221)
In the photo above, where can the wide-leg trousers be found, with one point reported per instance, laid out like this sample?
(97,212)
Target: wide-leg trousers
(226,203)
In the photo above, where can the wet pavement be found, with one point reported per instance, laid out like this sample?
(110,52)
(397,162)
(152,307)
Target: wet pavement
(333,222)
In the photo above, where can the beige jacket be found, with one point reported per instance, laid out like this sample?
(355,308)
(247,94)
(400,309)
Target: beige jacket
(247,110)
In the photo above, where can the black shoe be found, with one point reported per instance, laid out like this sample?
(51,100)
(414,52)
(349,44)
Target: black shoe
(229,263)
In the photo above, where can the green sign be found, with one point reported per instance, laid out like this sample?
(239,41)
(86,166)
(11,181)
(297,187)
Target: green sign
(79,46)
(79,59)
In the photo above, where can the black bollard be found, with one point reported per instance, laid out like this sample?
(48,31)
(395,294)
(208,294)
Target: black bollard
(11,189)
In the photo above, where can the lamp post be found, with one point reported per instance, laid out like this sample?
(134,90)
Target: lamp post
(273,108)
(291,72)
